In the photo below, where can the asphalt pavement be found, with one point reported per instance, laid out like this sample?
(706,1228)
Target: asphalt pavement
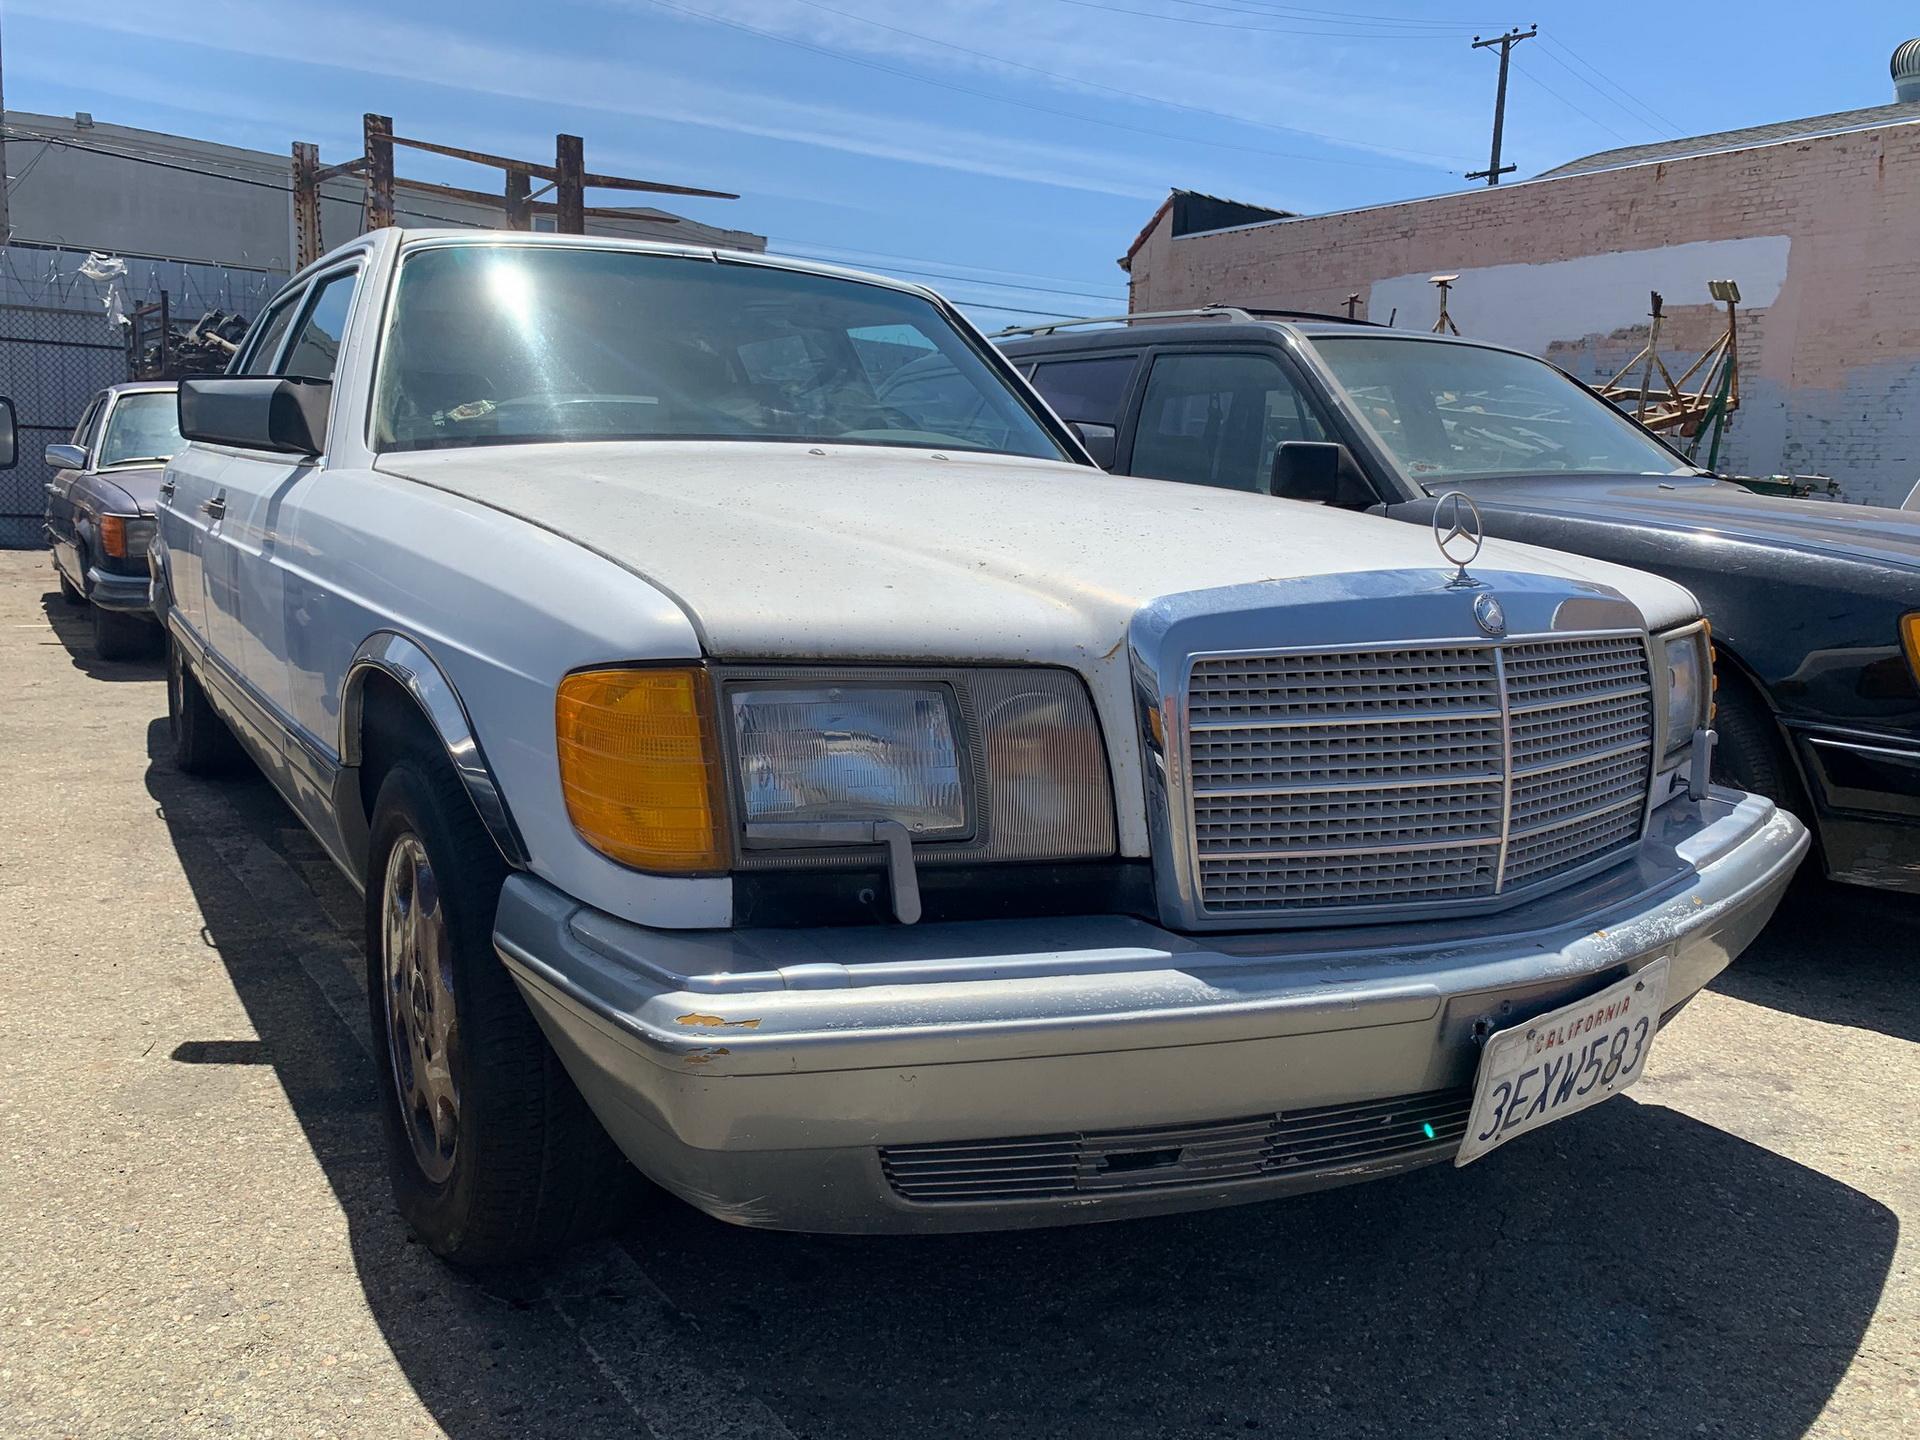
(196,1235)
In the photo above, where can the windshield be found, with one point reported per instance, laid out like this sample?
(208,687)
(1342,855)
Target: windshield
(1447,411)
(494,345)
(143,426)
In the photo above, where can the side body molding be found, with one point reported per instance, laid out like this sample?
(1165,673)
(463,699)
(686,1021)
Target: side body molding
(410,666)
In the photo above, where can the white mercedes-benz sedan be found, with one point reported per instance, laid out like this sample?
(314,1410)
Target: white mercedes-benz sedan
(772,753)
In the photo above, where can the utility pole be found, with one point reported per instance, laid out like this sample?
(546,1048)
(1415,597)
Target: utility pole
(1506,42)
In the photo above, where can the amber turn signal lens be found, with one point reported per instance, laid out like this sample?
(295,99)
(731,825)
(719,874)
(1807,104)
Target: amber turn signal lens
(640,767)
(113,535)
(1910,638)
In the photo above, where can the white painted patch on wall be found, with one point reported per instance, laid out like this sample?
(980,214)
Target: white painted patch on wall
(1530,306)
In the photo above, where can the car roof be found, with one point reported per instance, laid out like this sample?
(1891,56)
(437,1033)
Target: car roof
(412,239)
(1121,336)
(137,387)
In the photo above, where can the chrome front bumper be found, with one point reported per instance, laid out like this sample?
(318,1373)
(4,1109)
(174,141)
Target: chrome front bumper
(113,591)
(759,1074)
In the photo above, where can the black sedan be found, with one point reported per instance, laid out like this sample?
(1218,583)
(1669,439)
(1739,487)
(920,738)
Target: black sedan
(1815,606)
(100,510)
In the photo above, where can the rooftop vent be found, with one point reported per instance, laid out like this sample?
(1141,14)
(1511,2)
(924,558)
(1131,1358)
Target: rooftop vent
(1906,73)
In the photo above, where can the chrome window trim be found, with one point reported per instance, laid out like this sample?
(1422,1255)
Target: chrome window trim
(1397,610)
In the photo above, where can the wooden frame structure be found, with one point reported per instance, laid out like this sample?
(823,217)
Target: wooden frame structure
(1671,405)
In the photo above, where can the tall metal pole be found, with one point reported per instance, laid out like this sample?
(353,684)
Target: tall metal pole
(6,218)
(378,150)
(1506,42)
(570,168)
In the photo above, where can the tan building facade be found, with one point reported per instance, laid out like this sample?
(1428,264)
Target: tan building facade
(1818,221)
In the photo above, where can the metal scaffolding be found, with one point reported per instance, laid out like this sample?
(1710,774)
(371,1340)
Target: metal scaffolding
(567,178)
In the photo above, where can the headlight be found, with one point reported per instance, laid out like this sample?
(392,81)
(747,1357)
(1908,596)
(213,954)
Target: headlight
(819,754)
(979,764)
(1689,685)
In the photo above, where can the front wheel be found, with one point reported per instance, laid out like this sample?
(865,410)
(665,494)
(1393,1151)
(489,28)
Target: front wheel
(69,592)
(494,1156)
(121,637)
(202,743)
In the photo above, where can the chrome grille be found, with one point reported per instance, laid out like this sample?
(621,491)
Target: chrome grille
(1415,775)
(1292,1142)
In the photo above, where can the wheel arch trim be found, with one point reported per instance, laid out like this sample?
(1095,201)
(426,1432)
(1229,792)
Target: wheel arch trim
(409,665)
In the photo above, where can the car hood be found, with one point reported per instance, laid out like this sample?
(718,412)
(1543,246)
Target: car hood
(1719,507)
(863,552)
(139,483)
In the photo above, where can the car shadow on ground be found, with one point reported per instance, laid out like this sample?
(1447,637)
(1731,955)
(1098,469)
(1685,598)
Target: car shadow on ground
(1839,954)
(72,626)
(1632,1271)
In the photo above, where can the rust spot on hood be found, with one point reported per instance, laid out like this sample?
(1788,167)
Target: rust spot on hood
(711,1021)
(701,1057)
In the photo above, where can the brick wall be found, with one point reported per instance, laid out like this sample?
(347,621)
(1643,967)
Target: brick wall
(1823,235)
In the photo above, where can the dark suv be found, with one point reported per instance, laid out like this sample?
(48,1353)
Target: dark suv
(1815,606)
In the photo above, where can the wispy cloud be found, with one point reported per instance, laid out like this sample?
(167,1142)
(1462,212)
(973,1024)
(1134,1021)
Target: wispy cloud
(370,44)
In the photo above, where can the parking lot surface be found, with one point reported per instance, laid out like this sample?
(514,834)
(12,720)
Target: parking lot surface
(196,1235)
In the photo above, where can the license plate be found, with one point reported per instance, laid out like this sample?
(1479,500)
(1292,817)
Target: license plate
(1562,1062)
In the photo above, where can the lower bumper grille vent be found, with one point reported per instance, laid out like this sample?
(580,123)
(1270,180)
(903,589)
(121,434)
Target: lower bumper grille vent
(1104,1162)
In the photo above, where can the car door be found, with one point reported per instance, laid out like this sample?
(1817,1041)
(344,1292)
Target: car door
(246,598)
(193,498)
(1217,416)
(61,534)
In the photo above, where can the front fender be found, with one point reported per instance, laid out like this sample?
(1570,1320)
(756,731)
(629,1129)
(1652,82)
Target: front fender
(409,665)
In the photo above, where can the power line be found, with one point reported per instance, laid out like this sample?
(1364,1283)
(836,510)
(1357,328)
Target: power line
(1585,64)
(1114,89)
(1253,29)
(1533,79)
(968,279)
(832,249)
(844,58)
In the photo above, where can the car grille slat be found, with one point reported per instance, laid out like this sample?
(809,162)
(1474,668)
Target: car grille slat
(1422,776)
(1138,1161)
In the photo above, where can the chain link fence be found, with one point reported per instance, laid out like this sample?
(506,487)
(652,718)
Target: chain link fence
(61,341)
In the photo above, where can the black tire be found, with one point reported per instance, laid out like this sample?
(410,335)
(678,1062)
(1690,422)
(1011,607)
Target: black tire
(118,636)
(68,592)
(1750,754)
(529,1171)
(202,743)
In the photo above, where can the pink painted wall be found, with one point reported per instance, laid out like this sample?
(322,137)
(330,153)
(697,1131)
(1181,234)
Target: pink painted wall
(1830,359)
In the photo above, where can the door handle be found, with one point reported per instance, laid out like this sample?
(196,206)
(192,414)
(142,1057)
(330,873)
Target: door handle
(216,507)
(166,489)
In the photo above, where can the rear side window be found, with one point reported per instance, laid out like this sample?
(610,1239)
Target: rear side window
(1089,391)
(316,345)
(1218,419)
(269,332)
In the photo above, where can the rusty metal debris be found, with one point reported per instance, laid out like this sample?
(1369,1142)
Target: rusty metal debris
(159,349)
(568,178)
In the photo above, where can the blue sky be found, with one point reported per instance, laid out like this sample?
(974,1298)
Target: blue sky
(1004,150)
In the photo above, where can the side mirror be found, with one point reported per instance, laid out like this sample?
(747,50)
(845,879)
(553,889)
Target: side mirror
(67,457)
(283,413)
(1099,439)
(1320,472)
(9,436)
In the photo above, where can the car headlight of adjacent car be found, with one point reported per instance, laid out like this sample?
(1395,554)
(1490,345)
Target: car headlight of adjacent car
(691,769)
(1686,658)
